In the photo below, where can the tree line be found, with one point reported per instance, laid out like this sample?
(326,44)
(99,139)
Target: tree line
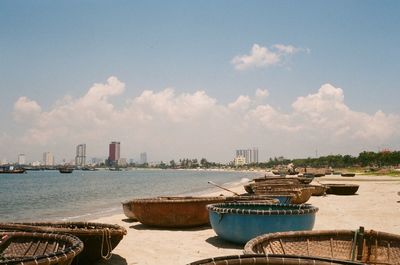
(364,159)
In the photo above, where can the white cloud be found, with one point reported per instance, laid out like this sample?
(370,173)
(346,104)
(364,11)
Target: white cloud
(170,125)
(261,93)
(241,103)
(260,56)
(289,49)
(26,109)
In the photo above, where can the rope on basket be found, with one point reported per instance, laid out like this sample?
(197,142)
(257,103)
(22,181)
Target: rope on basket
(106,236)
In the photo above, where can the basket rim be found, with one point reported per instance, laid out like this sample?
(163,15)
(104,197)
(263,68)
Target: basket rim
(175,199)
(59,227)
(281,257)
(298,208)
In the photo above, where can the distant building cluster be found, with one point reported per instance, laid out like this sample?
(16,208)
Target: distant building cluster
(81,160)
(246,156)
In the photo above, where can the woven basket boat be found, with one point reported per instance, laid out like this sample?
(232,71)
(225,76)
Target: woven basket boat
(173,212)
(348,174)
(241,221)
(38,248)
(129,212)
(271,181)
(257,259)
(306,180)
(371,247)
(179,211)
(318,190)
(99,239)
(300,195)
(341,189)
(277,180)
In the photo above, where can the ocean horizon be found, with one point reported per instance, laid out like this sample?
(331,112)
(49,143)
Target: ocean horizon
(87,195)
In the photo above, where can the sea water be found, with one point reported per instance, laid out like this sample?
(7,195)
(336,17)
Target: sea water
(84,195)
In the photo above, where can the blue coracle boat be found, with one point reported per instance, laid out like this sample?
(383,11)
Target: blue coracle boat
(239,222)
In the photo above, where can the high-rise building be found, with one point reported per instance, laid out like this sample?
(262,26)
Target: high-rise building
(143,158)
(80,158)
(114,152)
(255,155)
(48,159)
(250,155)
(21,159)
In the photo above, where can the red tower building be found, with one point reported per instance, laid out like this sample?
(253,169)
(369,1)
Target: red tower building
(114,152)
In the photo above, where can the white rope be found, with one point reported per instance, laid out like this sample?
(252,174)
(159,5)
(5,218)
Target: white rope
(106,236)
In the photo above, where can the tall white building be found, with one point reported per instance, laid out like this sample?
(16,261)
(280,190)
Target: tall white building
(21,159)
(80,158)
(143,158)
(250,155)
(48,159)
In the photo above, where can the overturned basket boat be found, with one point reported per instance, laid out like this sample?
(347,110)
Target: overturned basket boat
(38,248)
(181,212)
(347,174)
(99,239)
(241,221)
(341,189)
(371,247)
(257,259)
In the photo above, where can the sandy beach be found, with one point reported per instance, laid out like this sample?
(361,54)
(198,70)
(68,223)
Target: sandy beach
(376,206)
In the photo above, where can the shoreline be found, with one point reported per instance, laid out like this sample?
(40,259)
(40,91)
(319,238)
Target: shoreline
(375,207)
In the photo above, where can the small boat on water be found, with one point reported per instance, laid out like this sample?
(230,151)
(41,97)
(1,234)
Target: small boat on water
(11,170)
(272,259)
(365,246)
(99,239)
(65,169)
(38,248)
(239,222)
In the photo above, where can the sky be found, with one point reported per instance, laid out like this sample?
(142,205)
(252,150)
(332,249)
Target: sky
(197,79)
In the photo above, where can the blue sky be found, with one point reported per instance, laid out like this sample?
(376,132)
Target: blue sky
(50,49)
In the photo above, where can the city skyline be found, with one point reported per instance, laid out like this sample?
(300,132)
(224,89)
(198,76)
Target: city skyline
(199,79)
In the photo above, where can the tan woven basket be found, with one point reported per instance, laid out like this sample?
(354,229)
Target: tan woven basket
(38,248)
(371,247)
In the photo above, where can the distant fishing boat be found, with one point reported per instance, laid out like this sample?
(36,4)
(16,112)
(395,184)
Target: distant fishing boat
(11,170)
(65,169)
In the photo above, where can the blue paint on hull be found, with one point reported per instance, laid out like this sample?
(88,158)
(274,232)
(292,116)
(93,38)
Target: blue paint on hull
(241,228)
